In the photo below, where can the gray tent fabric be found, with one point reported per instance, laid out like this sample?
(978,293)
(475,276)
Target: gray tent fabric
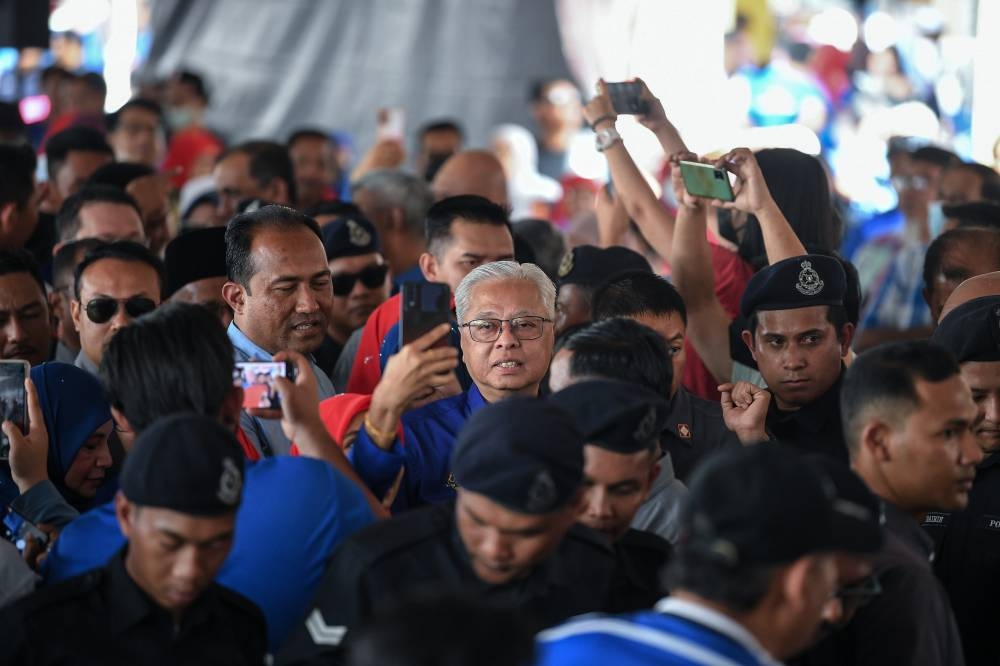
(274,65)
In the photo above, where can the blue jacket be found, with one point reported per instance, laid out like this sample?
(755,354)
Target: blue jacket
(677,633)
(295,511)
(429,435)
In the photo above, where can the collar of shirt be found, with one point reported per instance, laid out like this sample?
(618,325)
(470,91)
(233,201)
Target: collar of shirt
(906,528)
(718,622)
(130,606)
(680,410)
(244,344)
(84,363)
(815,416)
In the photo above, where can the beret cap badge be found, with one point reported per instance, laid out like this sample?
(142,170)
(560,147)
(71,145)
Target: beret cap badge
(359,236)
(810,283)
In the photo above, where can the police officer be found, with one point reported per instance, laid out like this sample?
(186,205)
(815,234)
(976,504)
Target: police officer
(581,271)
(509,538)
(968,542)
(621,424)
(154,602)
(798,333)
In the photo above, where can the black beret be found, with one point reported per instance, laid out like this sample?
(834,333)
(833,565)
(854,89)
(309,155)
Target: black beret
(764,505)
(187,463)
(798,282)
(76,137)
(615,415)
(349,237)
(522,453)
(119,174)
(971,332)
(195,255)
(975,213)
(590,266)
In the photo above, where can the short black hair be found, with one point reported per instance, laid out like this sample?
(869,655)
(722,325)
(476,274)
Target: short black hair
(935,155)
(990,188)
(338,208)
(57,72)
(68,217)
(243,228)
(21,261)
(113,119)
(267,160)
(78,137)
(174,359)
(469,207)
(884,379)
(545,240)
(119,174)
(17,170)
(739,589)
(95,82)
(195,81)
(309,133)
(622,349)
(636,293)
(441,125)
(67,257)
(123,251)
(949,239)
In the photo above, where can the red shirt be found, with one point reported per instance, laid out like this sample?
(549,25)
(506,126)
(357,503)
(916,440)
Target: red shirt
(366,370)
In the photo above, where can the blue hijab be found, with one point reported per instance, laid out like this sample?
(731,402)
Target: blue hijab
(73,405)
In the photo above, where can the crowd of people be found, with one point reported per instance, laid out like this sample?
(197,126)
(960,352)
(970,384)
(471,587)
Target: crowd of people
(720,431)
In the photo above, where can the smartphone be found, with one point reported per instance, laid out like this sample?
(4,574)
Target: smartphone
(16,529)
(705,180)
(626,97)
(257,380)
(391,123)
(423,306)
(13,399)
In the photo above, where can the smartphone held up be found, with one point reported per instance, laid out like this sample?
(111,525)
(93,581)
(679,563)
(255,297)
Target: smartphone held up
(707,181)
(13,399)
(256,378)
(626,97)
(423,307)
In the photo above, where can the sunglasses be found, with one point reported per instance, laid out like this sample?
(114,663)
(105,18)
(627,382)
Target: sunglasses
(371,276)
(100,310)
(859,593)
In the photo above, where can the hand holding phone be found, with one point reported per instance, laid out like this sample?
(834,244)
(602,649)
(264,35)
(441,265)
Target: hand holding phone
(13,400)
(423,306)
(257,379)
(391,123)
(706,181)
(16,529)
(626,97)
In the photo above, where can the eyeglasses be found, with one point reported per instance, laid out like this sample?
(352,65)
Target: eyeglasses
(100,310)
(489,330)
(910,182)
(371,276)
(859,593)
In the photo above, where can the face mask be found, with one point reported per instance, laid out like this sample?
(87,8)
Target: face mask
(935,218)
(178,117)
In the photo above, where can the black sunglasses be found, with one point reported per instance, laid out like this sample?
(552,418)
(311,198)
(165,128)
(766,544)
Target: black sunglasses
(371,276)
(100,310)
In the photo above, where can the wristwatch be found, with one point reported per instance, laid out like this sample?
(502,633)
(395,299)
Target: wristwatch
(606,138)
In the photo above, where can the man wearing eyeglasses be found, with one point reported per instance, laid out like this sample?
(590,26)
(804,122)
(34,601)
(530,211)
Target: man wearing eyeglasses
(360,278)
(505,312)
(114,284)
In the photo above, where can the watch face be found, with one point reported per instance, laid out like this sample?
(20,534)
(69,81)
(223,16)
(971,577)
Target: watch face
(606,137)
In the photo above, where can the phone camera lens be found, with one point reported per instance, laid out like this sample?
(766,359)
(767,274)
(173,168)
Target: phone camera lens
(718,175)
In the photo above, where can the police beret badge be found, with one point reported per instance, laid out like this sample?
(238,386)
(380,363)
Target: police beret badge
(359,237)
(810,283)
(230,483)
(566,265)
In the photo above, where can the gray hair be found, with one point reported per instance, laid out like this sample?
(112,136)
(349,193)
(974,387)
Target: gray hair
(505,270)
(394,188)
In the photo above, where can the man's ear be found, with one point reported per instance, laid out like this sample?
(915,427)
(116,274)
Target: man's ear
(429,266)
(8,216)
(846,338)
(796,580)
(876,440)
(75,310)
(234,295)
(748,341)
(125,513)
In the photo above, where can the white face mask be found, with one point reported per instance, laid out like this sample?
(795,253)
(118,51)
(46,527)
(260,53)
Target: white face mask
(178,117)
(935,218)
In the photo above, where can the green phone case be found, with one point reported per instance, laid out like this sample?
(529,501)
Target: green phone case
(704,180)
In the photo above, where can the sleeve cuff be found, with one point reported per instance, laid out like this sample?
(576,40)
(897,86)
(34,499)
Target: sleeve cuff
(42,503)
(376,467)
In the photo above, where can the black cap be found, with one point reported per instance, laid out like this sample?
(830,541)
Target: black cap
(764,505)
(798,282)
(186,463)
(590,266)
(856,509)
(119,174)
(975,213)
(195,255)
(615,415)
(522,453)
(76,137)
(971,332)
(349,237)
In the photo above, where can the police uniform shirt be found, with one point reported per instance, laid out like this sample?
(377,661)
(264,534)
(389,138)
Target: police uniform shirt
(812,428)
(695,429)
(102,617)
(422,552)
(429,435)
(641,559)
(911,622)
(967,561)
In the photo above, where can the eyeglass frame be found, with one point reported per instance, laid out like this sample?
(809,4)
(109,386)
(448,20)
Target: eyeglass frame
(120,304)
(501,322)
(861,593)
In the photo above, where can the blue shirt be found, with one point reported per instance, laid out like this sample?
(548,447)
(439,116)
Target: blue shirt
(266,435)
(429,435)
(677,633)
(295,511)
(410,275)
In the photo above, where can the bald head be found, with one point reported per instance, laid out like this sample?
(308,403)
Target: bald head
(987,284)
(954,257)
(472,172)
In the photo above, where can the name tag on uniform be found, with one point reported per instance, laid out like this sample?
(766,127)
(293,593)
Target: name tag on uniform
(987,522)
(936,520)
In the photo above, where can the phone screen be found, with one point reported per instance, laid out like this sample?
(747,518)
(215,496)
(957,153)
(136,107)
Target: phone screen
(12,399)
(625,97)
(424,305)
(17,529)
(704,180)
(257,380)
